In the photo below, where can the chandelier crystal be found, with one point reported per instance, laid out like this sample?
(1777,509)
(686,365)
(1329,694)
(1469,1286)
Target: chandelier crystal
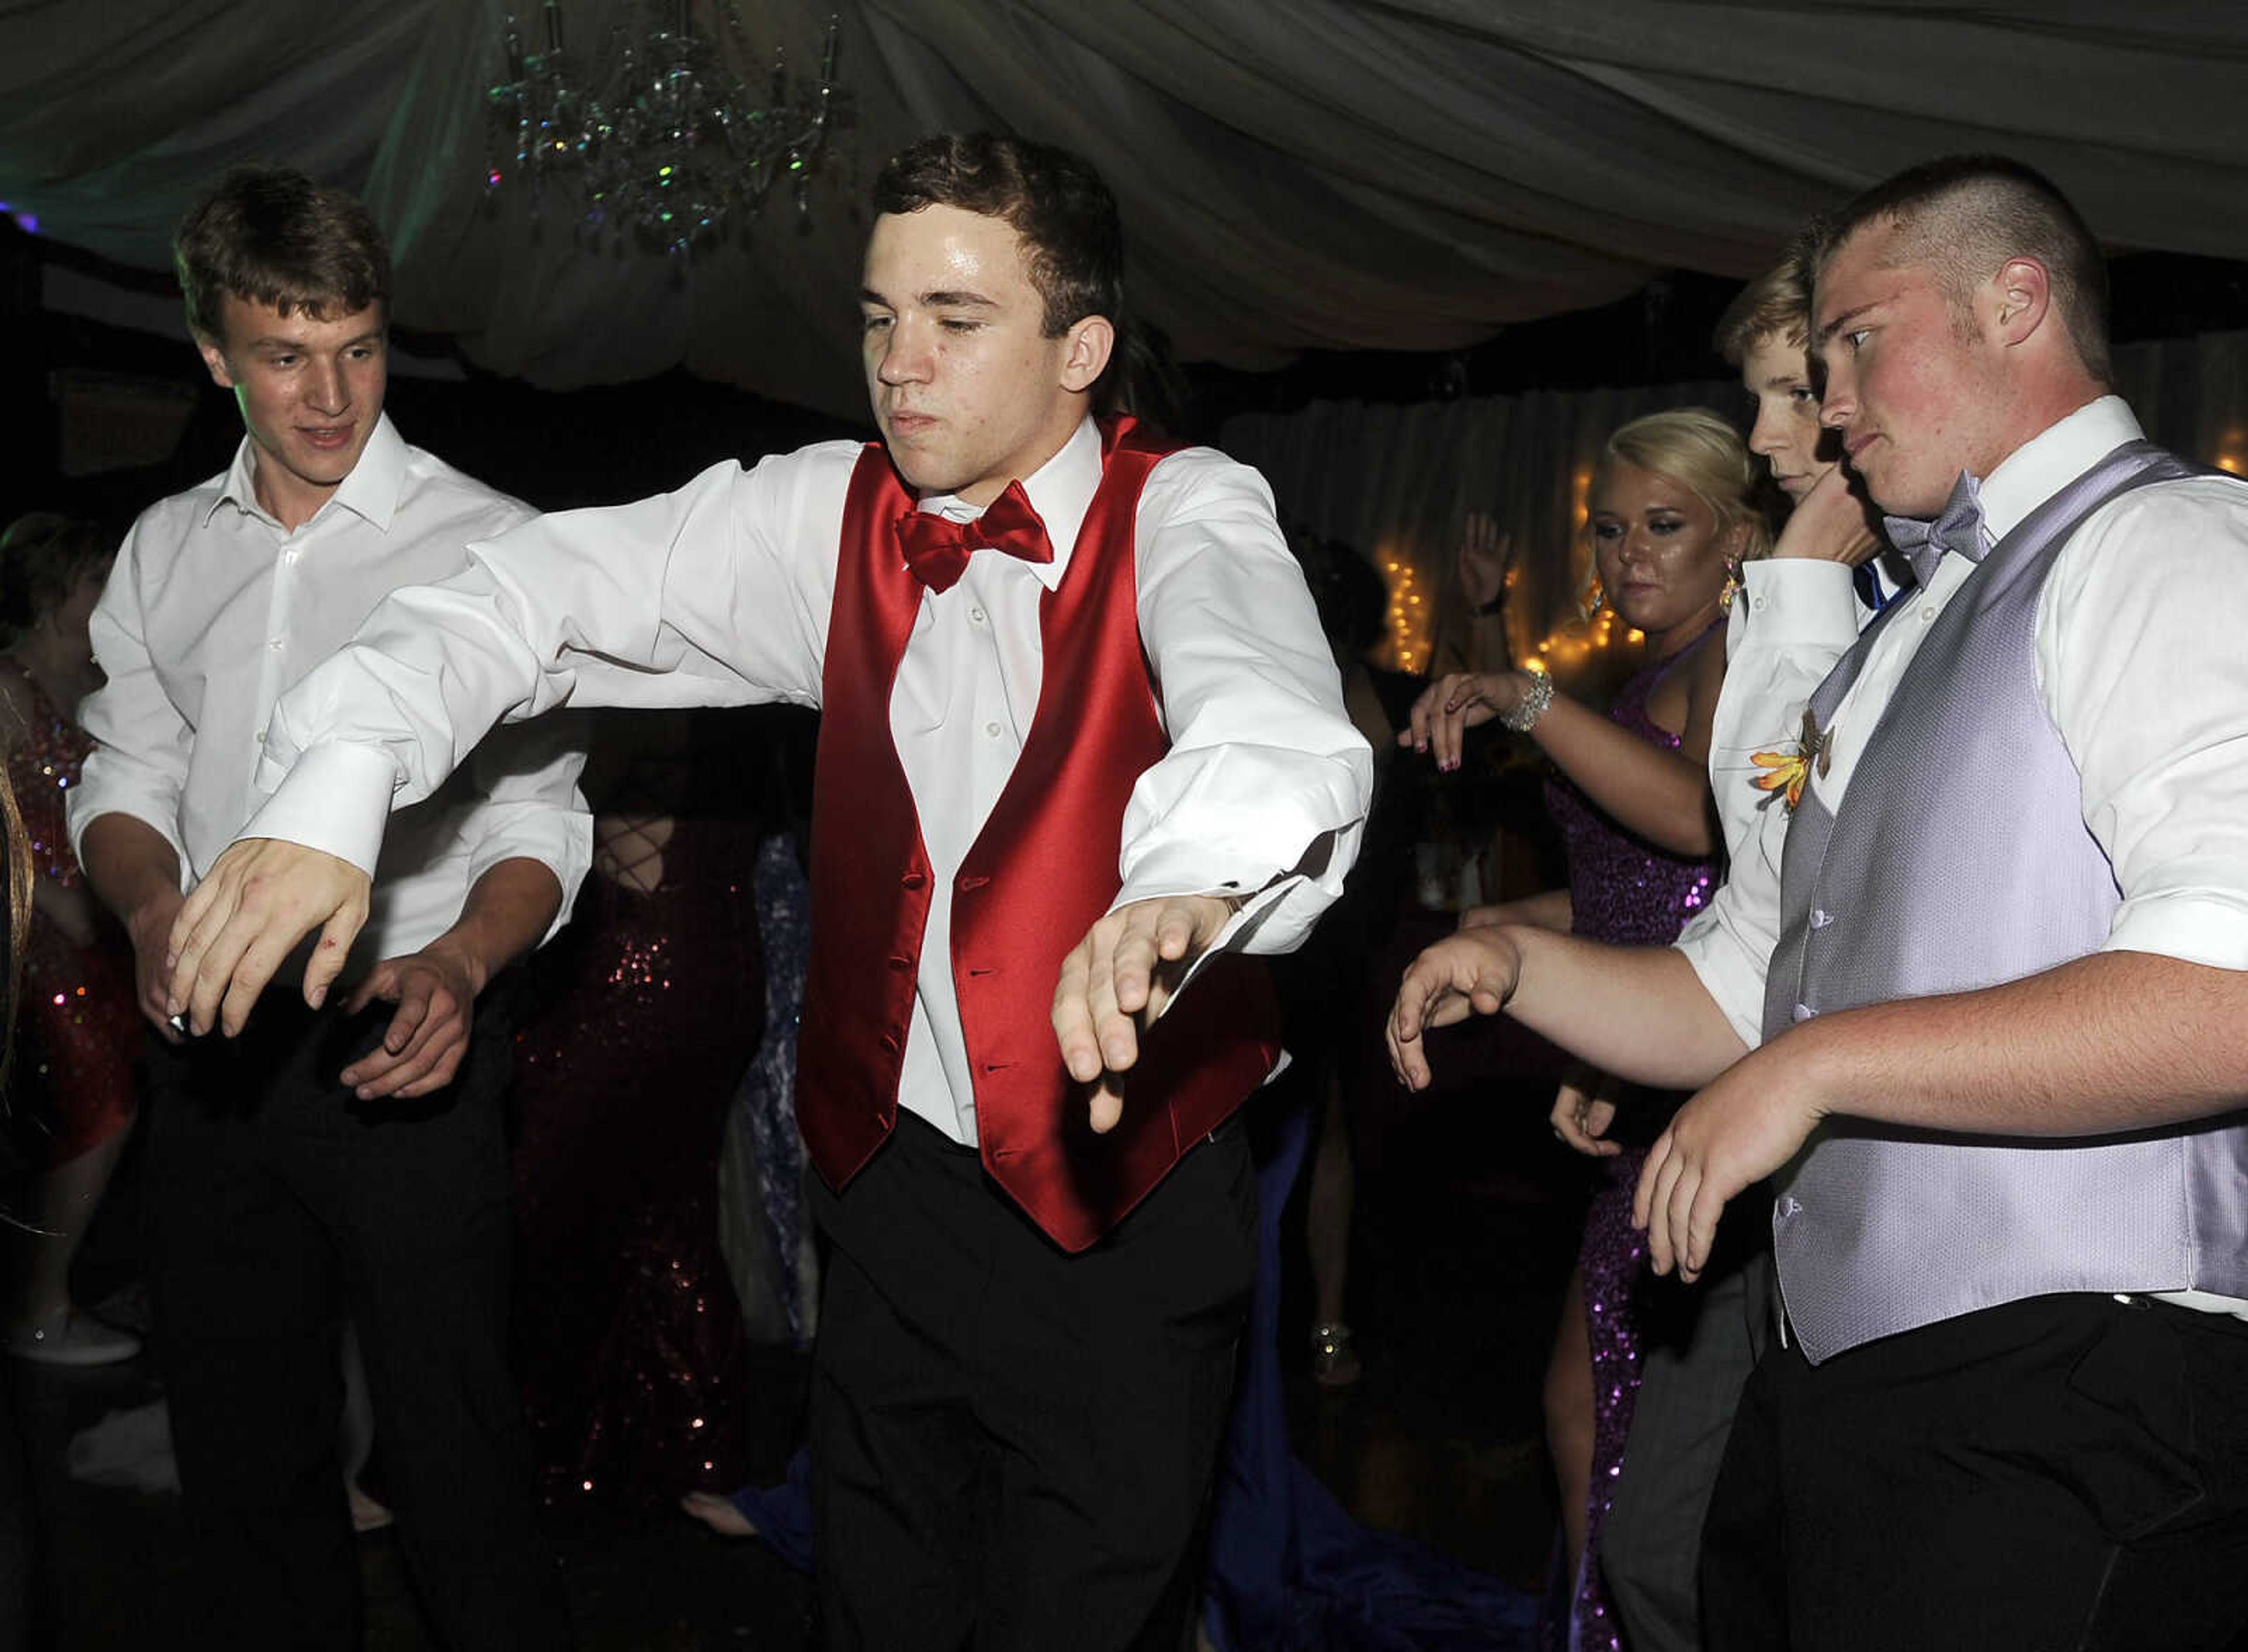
(658,143)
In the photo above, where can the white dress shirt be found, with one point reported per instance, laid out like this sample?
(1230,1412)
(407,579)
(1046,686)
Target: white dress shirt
(214,610)
(720,594)
(2140,667)
(1793,618)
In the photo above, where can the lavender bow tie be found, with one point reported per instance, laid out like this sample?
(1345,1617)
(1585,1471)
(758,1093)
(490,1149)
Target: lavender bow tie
(1958,530)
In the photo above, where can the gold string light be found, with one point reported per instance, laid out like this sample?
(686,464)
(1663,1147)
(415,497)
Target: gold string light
(1408,615)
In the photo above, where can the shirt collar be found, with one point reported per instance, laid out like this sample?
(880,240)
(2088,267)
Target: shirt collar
(370,492)
(1061,492)
(2052,459)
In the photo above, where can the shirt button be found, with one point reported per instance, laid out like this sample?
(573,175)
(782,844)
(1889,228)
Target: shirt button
(273,643)
(1756,605)
(976,614)
(991,728)
(291,555)
(1928,615)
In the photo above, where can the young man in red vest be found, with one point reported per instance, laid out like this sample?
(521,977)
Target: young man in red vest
(1081,735)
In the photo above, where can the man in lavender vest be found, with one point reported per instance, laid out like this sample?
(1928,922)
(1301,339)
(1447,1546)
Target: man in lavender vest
(2003,1039)
(1080,733)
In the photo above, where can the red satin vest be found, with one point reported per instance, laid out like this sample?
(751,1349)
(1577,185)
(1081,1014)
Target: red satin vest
(1040,874)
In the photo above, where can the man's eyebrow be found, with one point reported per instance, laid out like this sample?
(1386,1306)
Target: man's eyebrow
(944,300)
(274,341)
(1844,320)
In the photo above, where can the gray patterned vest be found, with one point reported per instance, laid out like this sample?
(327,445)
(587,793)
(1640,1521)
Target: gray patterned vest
(1958,859)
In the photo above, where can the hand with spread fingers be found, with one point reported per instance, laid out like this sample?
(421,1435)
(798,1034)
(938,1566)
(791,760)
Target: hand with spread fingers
(1473,971)
(1116,981)
(1744,1126)
(1484,553)
(262,897)
(435,991)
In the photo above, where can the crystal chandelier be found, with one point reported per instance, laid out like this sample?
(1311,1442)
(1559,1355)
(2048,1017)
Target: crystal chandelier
(657,142)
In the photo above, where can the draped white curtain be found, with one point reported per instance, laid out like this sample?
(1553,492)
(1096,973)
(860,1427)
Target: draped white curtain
(1395,483)
(1412,173)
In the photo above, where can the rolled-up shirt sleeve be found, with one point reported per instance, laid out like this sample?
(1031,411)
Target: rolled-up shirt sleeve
(715,595)
(2142,669)
(530,808)
(1264,791)
(1795,618)
(138,765)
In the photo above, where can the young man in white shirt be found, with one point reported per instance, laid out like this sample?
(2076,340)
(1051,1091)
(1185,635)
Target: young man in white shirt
(2002,1053)
(1080,732)
(344,1160)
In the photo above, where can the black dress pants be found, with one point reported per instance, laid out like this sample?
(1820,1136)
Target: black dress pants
(2063,1472)
(1013,1447)
(276,1205)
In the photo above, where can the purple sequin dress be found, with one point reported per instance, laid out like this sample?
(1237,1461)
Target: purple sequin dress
(1625,891)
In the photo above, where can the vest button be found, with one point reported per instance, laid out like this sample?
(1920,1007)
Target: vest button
(890,1042)
(912,880)
(900,962)
(973,882)
(1804,1012)
(1820,918)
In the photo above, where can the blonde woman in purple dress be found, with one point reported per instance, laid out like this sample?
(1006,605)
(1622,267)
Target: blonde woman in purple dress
(1671,519)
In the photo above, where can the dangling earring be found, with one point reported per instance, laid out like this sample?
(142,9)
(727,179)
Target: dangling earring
(1731,588)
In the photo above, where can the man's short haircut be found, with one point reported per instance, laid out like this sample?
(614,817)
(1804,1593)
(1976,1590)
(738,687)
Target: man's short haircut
(1072,243)
(1962,216)
(271,235)
(43,556)
(1779,301)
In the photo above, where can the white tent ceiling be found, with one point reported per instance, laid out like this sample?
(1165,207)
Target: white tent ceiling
(1293,174)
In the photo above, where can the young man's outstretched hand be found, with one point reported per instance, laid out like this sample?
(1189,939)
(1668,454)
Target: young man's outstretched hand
(1473,971)
(1116,981)
(262,897)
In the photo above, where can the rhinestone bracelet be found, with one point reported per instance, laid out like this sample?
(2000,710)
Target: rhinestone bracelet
(1524,716)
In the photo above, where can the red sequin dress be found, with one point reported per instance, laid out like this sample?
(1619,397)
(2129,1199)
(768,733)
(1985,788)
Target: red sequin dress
(629,1342)
(1624,891)
(80,1027)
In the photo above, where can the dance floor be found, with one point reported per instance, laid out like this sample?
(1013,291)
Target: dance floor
(1468,1221)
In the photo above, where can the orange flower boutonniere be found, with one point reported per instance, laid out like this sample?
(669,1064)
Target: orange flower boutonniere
(1787,772)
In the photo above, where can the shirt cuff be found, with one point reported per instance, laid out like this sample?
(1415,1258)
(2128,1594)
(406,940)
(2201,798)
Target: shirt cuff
(336,800)
(1800,601)
(560,839)
(159,815)
(1733,985)
(1240,933)
(2208,928)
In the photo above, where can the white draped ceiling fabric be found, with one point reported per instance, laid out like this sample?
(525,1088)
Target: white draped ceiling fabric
(1294,174)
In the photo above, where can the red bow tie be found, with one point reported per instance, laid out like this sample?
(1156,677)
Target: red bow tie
(936,548)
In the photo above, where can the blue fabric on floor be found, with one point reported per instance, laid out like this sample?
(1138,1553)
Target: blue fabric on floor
(1290,1571)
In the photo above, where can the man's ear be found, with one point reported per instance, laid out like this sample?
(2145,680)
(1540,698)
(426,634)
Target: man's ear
(213,360)
(1087,346)
(2020,297)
